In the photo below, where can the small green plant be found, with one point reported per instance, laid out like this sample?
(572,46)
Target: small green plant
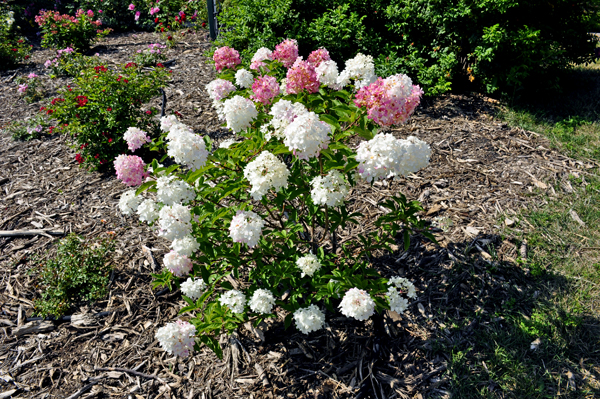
(30,88)
(78,272)
(68,62)
(29,129)
(151,56)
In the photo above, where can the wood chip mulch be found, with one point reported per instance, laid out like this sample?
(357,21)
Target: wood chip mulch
(480,170)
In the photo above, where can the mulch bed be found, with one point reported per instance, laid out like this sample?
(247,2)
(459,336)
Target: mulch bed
(480,169)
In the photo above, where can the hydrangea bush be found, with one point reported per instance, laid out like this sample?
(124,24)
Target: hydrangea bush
(61,30)
(255,223)
(102,107)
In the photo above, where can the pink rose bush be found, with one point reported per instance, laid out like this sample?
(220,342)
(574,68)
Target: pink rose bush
(271,200)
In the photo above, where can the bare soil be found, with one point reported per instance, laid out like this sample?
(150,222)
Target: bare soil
(481,172)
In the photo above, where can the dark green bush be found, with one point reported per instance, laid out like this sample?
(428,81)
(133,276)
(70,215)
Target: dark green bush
(479,44)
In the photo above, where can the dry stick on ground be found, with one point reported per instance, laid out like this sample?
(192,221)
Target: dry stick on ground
(20,233)
(85,389)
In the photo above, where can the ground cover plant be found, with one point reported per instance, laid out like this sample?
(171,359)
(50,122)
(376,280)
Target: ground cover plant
(61,30)
(79,272)
(29,129)
(102,104)
(68,62)
(488,46)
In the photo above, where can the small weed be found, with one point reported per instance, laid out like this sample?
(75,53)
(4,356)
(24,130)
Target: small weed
(78,272)
(28,129)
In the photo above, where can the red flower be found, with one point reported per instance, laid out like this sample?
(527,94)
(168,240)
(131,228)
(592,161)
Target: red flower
(160,65)
(81,101)
(56,100)
(109,109)
(66,124)
(110,140)
(42,108)
(50,111)
(130,64)
(169,37)
(100,68)
(178,114)
(204,24)
(20,41)
(96,156)
(79,158)
(149,112)
(77,116)
(156,20)
(14,49)
(26,57)
(51,129)
(161,29)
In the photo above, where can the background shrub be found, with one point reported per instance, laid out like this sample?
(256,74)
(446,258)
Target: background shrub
(102,105)
(62,30)
(13,47)
(483,45)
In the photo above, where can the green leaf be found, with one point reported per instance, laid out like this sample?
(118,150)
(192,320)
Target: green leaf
(144,187)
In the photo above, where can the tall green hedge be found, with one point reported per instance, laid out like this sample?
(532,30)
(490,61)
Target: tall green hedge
(488,45)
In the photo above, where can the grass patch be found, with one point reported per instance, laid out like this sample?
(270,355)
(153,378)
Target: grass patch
(78,273)
(537,334)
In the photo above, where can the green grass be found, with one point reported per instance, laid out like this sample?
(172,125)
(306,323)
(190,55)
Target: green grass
(553,294)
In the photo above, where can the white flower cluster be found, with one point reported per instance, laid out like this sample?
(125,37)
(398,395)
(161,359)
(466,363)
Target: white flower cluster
(171,190)
(239,113)
(360,68)
(327,73)
(246,227)
(187,245)
(262,301)
(309,319)
(244,78)
(186,147)
(399,85)
(177,338)
(330,190)
(358,304)
(218,89)
(129,202)
(148,211)
(399,286)
(174,222)
(193,288)
(386,156)
(234,300)
(264,173)
(284,112)
(308,264)
(261,55)
(179,265)
(306,136)
(166,122)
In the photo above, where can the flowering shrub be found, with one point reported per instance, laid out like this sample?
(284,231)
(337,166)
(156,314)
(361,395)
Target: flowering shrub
(151,56)
(68,62)
(61,30)
(267,208)
(13,48)
(102,105)
(29,88)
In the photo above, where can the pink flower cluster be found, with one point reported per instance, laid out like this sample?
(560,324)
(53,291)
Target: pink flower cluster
(54,16)
(154,10)
(131,7)
(265,88)
(302,76)
(286,52)
(23,88)
(130,169)
(218,89)
(384,106)
(135,138)
(318,56)
(179,265)
(226,57)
